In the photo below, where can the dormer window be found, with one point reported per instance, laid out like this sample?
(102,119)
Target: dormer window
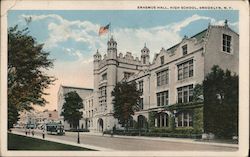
(184,50)
(162,60)
(226,43)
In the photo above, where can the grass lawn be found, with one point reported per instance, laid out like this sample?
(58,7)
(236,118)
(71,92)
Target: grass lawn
(18,142)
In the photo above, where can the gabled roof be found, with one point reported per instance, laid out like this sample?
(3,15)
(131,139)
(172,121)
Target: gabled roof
(63,86)
(198,36)
(171,49)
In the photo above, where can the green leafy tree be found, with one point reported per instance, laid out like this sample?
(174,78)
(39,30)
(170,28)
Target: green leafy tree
(126,98)
(27,63)
(71,108)
(221,90)
(198,93)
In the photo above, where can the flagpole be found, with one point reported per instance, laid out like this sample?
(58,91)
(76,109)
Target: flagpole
(109,33)
(110,29)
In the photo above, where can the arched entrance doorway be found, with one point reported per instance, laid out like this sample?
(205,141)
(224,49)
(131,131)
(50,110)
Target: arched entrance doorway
(100,124)
(141,121)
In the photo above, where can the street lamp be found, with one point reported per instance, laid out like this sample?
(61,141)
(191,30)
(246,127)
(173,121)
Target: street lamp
(78,136)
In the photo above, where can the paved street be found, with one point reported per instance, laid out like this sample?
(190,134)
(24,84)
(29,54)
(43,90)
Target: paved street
(134,143)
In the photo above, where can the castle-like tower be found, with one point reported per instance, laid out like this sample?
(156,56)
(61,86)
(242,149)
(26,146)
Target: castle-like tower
(111,63)
(145,55)
(112,48)
(109,70)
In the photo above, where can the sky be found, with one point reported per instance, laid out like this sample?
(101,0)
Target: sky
(72,38)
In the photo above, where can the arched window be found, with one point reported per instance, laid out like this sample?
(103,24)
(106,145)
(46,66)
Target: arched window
(162,119)
(141,121)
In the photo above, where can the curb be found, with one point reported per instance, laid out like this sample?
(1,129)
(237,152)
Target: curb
(65,142)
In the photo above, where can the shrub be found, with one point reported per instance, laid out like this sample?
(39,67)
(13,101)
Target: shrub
(187,132)
(75,130)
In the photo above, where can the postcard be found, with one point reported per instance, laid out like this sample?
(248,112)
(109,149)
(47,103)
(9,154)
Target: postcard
(124,78)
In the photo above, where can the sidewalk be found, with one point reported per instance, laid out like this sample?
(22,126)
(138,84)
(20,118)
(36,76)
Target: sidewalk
(168,139)
(63,141)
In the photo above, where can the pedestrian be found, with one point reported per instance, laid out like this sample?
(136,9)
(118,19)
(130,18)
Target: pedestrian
(32,132)
(111,133)
(43,134)
(113,130)
(25,131)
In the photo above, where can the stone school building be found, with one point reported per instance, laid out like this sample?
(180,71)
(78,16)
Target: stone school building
(166,84)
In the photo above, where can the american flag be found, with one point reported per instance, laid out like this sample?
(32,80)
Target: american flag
(104,29)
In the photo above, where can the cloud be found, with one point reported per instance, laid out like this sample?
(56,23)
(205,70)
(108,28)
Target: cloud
(42,17)
(176,27)
(73,52)
(154,38)
(61,30)
(129,39)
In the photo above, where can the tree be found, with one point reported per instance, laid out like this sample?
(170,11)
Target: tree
(198,93)
(221,91)
(126,98)
(27,63)
(71,108)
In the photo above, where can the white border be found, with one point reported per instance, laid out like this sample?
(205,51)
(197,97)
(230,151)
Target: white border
(243,8)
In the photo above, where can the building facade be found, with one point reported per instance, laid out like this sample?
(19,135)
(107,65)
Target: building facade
(83,93)
(167,84)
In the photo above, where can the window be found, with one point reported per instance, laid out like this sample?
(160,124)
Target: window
(185,94)
(144,60)
(102,95)
(184,49)
(162,77)
(162,60)
(162,120)
(185,70)
(184,119)
(104,76)
(226,43)
(50,115)
(162,98)
(141,103)
(141,86)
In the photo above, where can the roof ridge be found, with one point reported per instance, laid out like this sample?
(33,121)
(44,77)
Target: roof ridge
(77,87)
(199,33)
(188,38)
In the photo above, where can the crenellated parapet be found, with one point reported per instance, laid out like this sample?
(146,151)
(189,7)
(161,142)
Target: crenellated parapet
(128,58)
(111,56)
(102,63)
